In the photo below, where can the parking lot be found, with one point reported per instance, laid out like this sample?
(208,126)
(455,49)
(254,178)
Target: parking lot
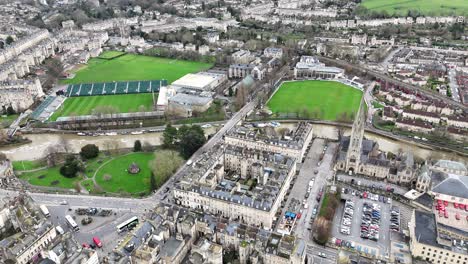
(378,213)
(102,226)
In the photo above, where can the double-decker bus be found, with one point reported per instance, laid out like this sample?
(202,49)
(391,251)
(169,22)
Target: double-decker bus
(130,223)
(71,223)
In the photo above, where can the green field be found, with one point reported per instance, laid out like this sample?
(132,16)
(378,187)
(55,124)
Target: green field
(115,165)
(50,177)
(121,180)
(24,165)
(426,7)
(326,99)
(131,67)
(5,121)
(123,103)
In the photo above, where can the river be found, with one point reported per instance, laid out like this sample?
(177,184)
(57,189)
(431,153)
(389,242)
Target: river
(40,142)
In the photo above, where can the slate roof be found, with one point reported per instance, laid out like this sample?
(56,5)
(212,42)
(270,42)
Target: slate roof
(425,228)
(454,185)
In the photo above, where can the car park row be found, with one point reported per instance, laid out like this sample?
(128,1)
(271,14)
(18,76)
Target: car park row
(368,195)
(347,219)
(370,221)
(395,219)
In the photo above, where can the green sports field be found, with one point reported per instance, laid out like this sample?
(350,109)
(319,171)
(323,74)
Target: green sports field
(426,7)
(328,99)
(123,103)
(131,67)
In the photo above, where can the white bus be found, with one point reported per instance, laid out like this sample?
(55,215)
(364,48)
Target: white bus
(44,210)
(71,223)
(130,223)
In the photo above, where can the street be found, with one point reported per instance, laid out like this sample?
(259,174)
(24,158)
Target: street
(298,191)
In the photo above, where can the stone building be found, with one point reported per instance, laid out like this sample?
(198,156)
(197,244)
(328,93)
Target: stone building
(20,94)
(222,185)
(362,156)
(294,144)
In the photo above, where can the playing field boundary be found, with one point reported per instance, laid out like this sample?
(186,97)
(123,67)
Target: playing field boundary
(113,57)
(329,99)
(286,81)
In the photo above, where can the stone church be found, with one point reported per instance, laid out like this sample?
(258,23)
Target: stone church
(358,155)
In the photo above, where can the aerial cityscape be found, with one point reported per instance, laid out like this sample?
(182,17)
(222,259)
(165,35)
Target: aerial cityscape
(233,131)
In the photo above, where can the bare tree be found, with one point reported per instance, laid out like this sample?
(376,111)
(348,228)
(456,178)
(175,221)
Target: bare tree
(52,155)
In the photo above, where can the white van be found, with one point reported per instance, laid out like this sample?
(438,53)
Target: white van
(60,230)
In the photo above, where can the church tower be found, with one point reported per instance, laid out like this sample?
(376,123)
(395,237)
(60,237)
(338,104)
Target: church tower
(355,141)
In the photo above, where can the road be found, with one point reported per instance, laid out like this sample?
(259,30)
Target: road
(454,85)
(312,164)
(387,59)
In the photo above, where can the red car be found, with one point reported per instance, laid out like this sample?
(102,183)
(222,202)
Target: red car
(97,242)
(85,245)
(445,203)
(455,205)
(457,216)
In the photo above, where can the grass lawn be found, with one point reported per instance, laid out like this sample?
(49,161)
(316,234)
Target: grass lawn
(110,54)
(131,67)
(5,121)
(323,208)
(49,177)
(328,98)
(88,184)
(377,105)
(84,105)
(121,180)
(23,165)
(426,7)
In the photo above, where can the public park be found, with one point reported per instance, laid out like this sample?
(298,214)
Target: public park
(424,7)
(326,100)
(114,171)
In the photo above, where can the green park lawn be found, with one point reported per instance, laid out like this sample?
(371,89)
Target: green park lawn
(121,180)
(123,103)
(131,67)
(426,7)
(328,99)
(116,166)
(50,177)
(24,165)
(5,121)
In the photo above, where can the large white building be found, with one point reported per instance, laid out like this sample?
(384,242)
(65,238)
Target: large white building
(202,81)
(311,67)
